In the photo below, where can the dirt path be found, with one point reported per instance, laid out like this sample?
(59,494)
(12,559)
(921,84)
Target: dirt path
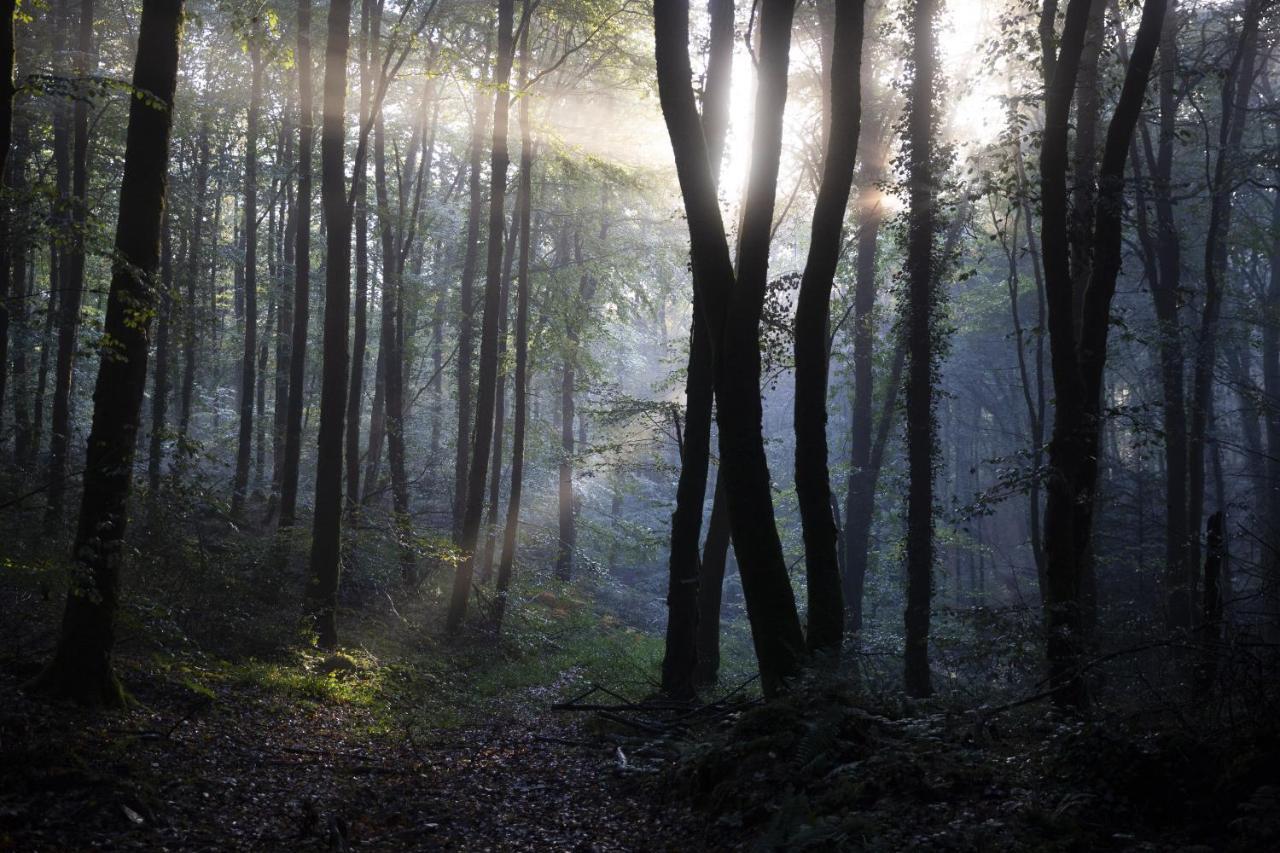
(243,770)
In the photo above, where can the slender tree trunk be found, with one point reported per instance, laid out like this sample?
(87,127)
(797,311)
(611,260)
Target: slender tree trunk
(920,331)
(499,411)
(520,380)
(326,533)
(71,285)
(190,313)
(10,248)
(466,318)
(81,666)
(369,18)
(1237,87)
(244,445)
(488,366)
(813,319)
(302,273)
(715,555)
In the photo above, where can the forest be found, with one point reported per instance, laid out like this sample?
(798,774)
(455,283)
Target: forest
(640,425)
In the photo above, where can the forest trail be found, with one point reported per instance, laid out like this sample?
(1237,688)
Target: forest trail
(232,767)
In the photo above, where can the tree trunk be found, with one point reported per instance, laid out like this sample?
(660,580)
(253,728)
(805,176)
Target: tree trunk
(715,555)
(920,330)
(240,484)
(370,18)
(813,319)
(466,316)
(81,667)
(302,274)
(684,589)
(1078,365)
(190,334)
(326,533)
(500,405)
(732,311)
(520,380)
(488,367)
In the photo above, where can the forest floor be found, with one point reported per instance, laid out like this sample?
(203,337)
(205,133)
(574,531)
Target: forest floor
(240,736)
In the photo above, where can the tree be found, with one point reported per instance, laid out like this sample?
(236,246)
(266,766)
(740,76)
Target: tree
(488,366)
(732,312)
(326,532)
(70,283)
(244,445)
(813,318)
(1078,361)
(684,586)
(81,666)
(919,330)
(302,274)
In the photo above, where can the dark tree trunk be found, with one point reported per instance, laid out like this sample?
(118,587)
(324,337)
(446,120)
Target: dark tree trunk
(71,285)
(190,334)
(1237,87)
(466,315)
(732,311)
(919,331)
(326,533)
(715,555)
(81,667)
(302,274)
(1078,364)
(684,590)
(500,404)
(488,366)
(813,318)
(520,380)
(244,444)
(370,18)
(9,248)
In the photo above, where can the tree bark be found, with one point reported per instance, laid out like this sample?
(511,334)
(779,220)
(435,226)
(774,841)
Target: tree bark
(160,380)
(370,32)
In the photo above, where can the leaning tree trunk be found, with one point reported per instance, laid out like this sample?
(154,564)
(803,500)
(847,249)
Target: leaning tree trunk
(813,317)
(240,484)
(302,275)
(326,532)
(81,667)
(488,367)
